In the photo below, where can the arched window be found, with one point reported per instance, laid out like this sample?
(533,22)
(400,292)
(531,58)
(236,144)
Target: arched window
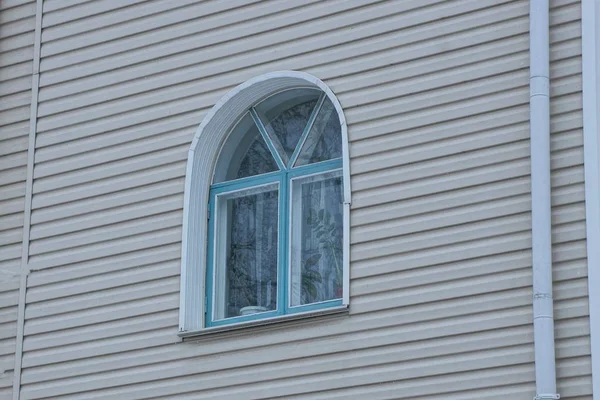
(276,242)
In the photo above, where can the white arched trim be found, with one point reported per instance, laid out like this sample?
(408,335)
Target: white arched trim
(202,158)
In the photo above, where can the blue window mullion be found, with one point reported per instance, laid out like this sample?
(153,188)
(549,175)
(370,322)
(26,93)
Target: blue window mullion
(282,266)
(310,169)
(248,182)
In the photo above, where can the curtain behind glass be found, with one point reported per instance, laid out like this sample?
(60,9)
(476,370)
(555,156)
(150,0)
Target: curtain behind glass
(316,243)
(246,263)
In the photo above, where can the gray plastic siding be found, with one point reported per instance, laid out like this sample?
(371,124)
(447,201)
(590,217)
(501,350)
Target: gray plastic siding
(17,25)
(436,97)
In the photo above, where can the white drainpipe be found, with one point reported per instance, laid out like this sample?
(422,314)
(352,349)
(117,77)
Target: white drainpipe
(539,103)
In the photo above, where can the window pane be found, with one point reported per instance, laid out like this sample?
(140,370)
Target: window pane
(324,142)
(285,115)
(244,154)
(246,252)
(316,239)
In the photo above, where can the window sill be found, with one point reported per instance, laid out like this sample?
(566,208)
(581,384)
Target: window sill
(283,320)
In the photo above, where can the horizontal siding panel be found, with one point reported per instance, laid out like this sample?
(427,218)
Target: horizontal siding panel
(73,10)
(13,72)
(12,220)
(16,35)
(11,236)
(568,220)
(489,381)
(173,125)
(147,19)
(417,278)
(15,10)
(103,202)
(406,351)
(108,248)
(436,184)
(88,221)
(304,35)
(15,160)
(117,231)
(403,370)
(12,3)
(121,336)
(18,85)
(12,146)
(440,237)
(17,56)
(418,152)
(384,214)
(54,5)
(73,271)
(17,26)
(106,281)
(455,163)
(142,162)
(106,297)
(12,131)
(442,218)
(410,331)
(161,354)
(105,186)
(129,150)
(9,297)
(360,326)
(123,310)
(12,175)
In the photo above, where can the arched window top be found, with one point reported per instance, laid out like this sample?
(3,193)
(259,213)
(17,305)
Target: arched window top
(288,129)
(261,153)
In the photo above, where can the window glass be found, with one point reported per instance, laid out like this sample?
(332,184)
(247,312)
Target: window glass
(316,238)
(285,116)
(244,154)
(246,252)
(324,141)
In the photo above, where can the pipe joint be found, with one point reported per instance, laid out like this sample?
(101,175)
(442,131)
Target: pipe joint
(539,86)
(543,306)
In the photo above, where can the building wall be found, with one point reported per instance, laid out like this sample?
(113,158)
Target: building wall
(436,98)
(17,26)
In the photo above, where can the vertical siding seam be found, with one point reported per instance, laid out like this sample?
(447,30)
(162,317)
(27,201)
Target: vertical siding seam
(35,77)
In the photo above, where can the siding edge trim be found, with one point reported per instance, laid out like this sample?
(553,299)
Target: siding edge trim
(590,18)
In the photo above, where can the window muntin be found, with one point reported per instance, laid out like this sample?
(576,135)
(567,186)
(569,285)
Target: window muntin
(285,116)
(246,232)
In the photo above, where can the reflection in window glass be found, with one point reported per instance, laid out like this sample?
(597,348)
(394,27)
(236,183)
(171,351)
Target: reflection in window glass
(285,115)
(324,141)
(246,248)
(316,238)
(245,153)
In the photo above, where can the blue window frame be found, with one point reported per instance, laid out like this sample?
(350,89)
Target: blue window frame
(275,212)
